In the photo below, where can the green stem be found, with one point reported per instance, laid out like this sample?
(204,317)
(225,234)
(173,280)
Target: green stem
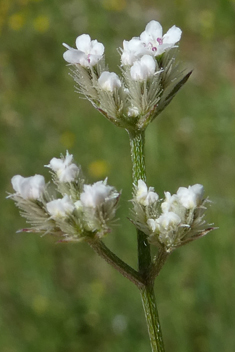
(144,254)
(157,264)
(152,318)
(138,172)
(137,156)
(111,258)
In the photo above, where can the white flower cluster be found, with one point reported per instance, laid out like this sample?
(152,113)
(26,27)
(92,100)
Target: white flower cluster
(81,210)
(139,52)
(150,76)
(171,222)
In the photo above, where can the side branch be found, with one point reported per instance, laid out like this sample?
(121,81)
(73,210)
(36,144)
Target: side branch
(157,265)
(127,271)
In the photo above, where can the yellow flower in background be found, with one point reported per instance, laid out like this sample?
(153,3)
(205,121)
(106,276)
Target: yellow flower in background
(114,5)
(98,168)
(68,139)
(16,21)
(41,24)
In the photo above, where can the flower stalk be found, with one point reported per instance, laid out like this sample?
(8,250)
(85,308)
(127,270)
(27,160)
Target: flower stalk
(100,248)
(144,255)
(152,318)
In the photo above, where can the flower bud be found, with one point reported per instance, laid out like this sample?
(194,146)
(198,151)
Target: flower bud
(96,194)
(143,68)
(109,81)
(60,208)
(190,197)
(64,168)
(132,50)
(144,195)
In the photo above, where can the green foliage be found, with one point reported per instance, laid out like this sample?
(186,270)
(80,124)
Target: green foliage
(62,297)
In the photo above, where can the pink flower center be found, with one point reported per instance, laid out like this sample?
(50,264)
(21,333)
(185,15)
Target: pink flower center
(160,41)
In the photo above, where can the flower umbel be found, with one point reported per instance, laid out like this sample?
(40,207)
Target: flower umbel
(176,220)
(151,76)
(84,211)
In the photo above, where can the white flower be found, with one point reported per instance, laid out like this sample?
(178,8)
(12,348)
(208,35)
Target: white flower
(132,50)
(143,68)
(191,197)
(155,42)
(109,81)
(168,221)
(153,225)
(144,195)
(170,202)
(64,168)
(60,208)
(87,54)
(28,187)
(96,194)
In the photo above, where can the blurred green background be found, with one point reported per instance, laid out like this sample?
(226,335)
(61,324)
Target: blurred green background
(62,297)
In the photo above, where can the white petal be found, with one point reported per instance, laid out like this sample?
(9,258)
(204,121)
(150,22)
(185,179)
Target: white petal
(29,187)
(68,174)
(154,29)
(127,58)
(162,48)
(73,56)
(133,45)
(142,189)
(152,197)
(68,159)
(60,208)
(83,43)
(96,194)
(169,221)
(152,225)
(198,191)
(145,37)
(187,197)
(149,62)
(55,164)
(96,48)
(16,182)
(172,36)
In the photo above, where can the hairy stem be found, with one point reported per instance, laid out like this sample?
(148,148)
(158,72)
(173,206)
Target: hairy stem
(157,264)
(144,254)
(138,172)
(111,258)
(152,318)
